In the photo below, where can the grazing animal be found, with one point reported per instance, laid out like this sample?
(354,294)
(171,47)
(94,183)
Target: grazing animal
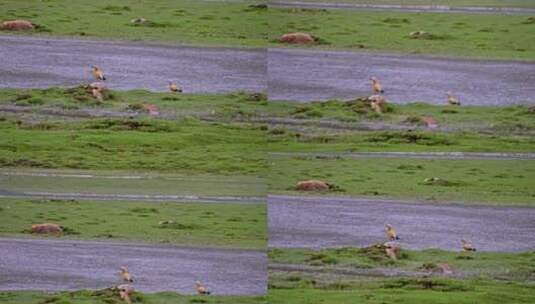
(98,74)
(125,291)
(201,289)
(376,86)
(174,88)
(467,245)
(452,100)
(377,103)
(391,233)
(125,275)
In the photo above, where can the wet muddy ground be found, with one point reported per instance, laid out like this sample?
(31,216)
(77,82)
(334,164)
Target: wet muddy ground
(305,75)
(53,265)
(322,222)
(45,62)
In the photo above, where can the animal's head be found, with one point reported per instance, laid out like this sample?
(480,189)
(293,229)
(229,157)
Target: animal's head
(373,78)
(123,269)
(198,283)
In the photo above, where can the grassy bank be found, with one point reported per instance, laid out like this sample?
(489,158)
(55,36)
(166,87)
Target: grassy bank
(184,21)
(483,3)
(404,291)
(184,140)
(458,35)
(188,146)
(107,296)
(477,277)
(244,24)
(196,224)
(466,181)
(488,265)
(241,105)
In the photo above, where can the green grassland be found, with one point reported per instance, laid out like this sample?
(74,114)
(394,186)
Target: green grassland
(247,25)
(458,35)
(108,296)
(503,182)
(186,145)
(405,291)
(477,277)
(229,134)
(129,182)
(482,3)
(516,119)
(181,21)
(195,224)
(486,265)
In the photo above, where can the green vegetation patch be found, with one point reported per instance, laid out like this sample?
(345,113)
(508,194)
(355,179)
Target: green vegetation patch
(408,291)
(196,224)
(182,21)
(451,34)
(500,182)
(488,265)
(400,290)
(108,296)
(461,3)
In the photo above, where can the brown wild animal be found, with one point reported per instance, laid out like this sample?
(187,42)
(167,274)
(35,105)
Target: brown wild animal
(452,100)
(201,289)
(312,185)
(376,86)
(174,88)
(297,38)
(391,233)
(377,103)
(467,245)
(393,251)
(125,274)
(98,73)
(125,291)
(46,228)
(17,25)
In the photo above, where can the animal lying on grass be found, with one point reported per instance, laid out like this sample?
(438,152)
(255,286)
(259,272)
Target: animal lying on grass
(17,25)
(316,185)
(46,228)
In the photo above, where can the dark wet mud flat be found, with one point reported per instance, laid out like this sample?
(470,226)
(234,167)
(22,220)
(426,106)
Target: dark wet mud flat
(305,75)
(322,222)
(45,62)
(53,265)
